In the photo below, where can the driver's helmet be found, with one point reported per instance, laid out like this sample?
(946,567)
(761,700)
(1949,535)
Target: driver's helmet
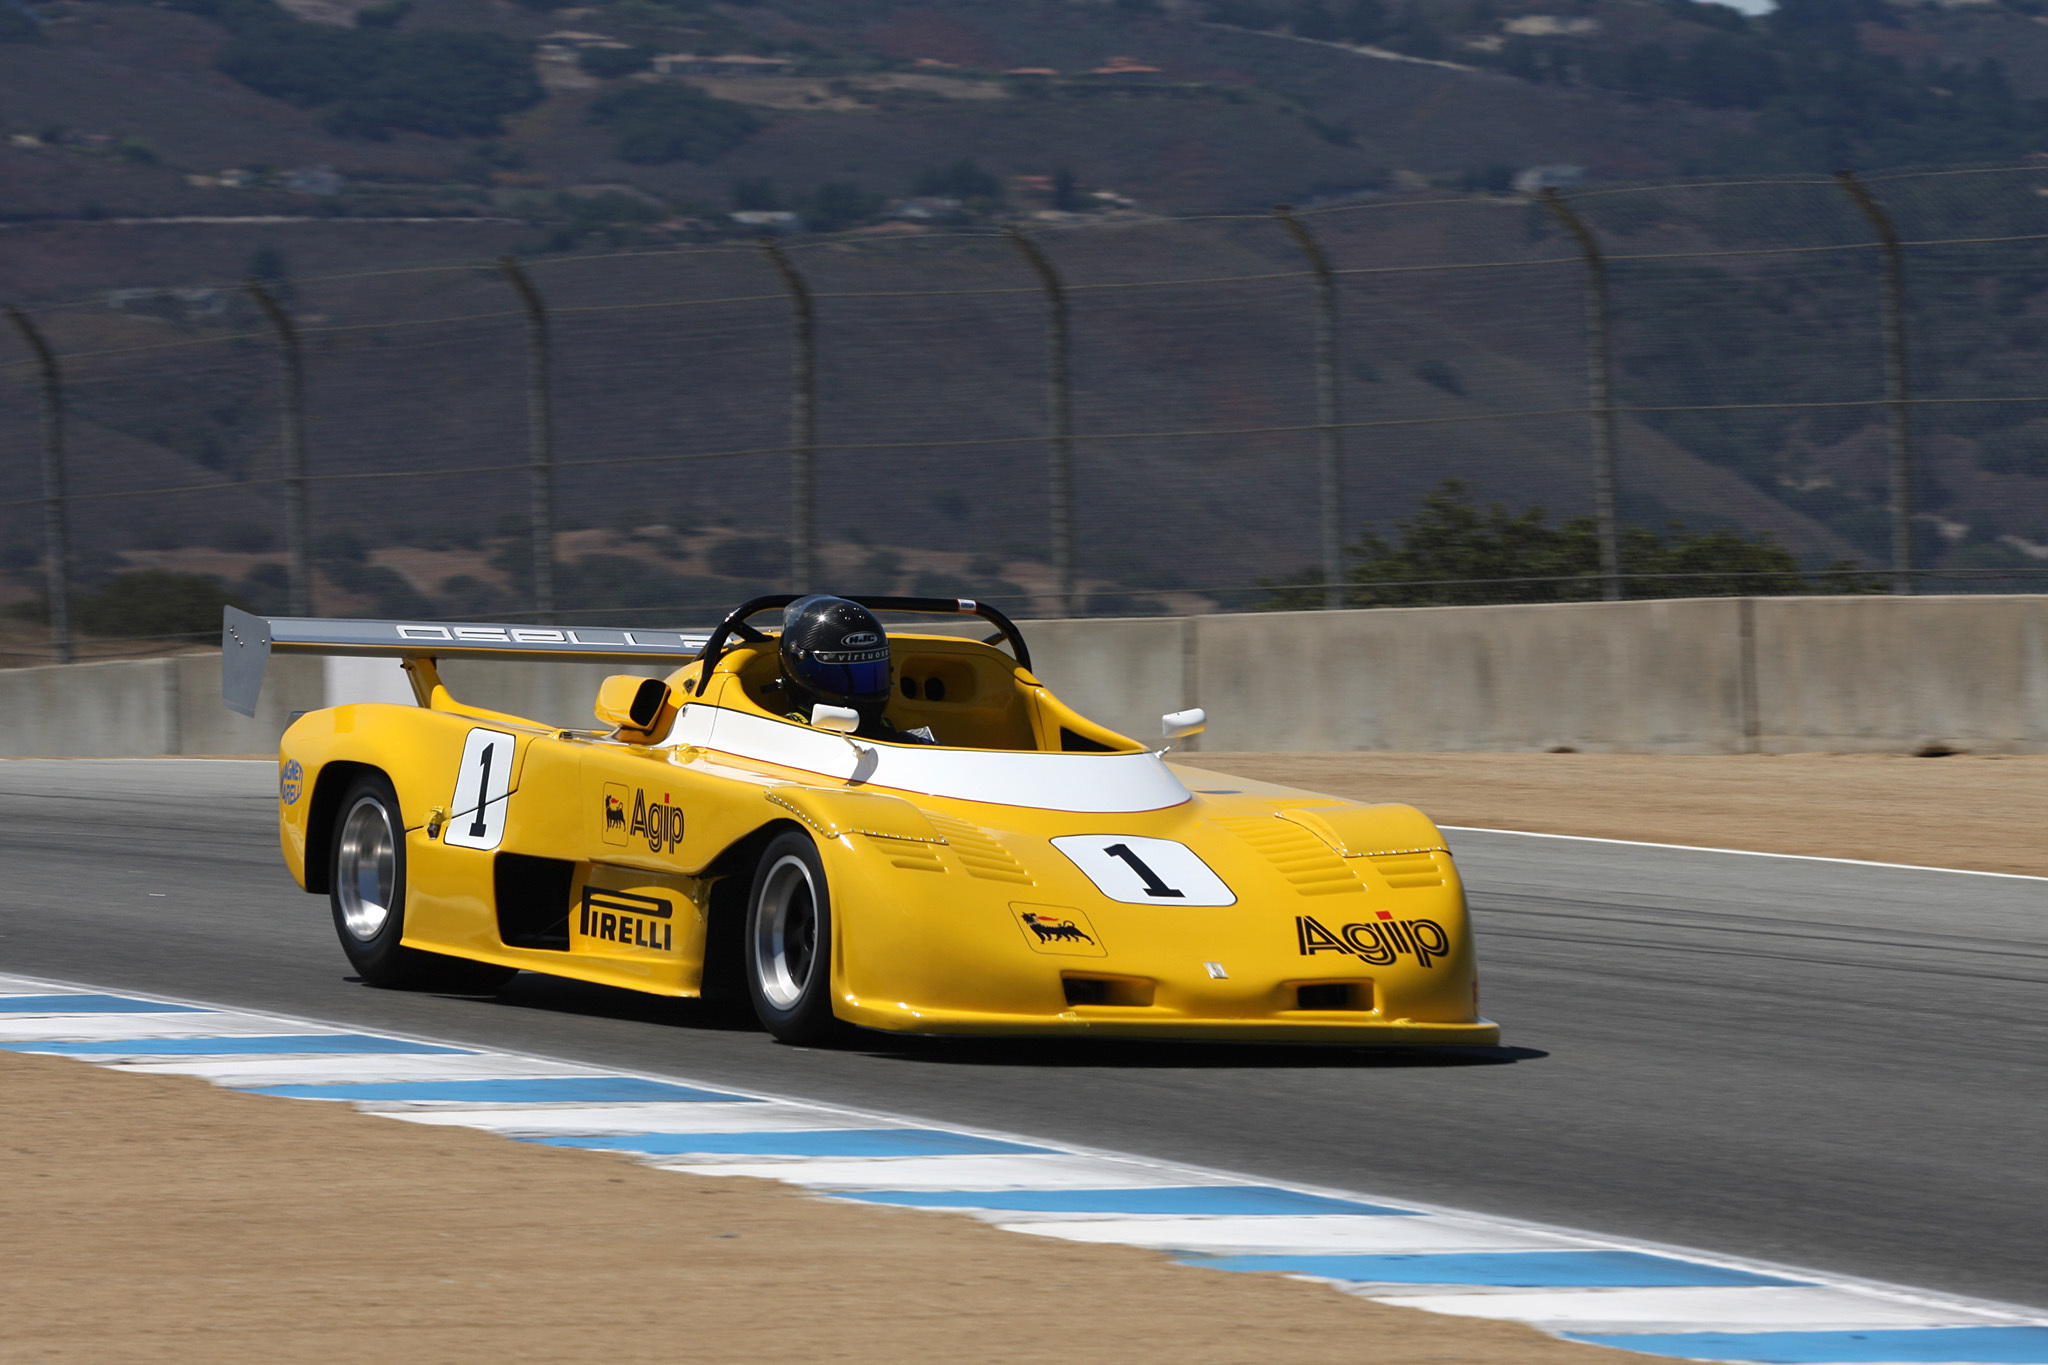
(836,651)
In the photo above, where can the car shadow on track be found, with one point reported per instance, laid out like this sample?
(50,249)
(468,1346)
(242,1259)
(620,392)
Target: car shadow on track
(1168,1056)
(557,995)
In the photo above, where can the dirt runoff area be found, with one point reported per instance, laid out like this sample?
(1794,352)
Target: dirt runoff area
(1983,812)
(154,1218)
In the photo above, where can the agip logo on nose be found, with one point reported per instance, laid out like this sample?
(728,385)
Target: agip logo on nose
(1381,942)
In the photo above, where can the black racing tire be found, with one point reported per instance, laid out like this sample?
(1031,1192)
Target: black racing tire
(788,943)
(366,888)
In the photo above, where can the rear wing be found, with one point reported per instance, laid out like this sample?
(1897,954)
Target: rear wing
(247,642)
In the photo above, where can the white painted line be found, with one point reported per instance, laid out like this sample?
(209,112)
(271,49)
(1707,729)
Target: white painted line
(1748,853)
(628,1119)
(1804,1309)
(1282,1236)
(83,1028)
(1056,1172)
(348,1070)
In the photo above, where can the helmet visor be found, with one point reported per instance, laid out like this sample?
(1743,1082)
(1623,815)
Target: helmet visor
(849,672)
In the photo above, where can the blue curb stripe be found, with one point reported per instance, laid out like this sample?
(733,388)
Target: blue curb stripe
(1192,1200)
(1893,1346)
(290,1044)
(853,1142)
(534,1090)
(1506,1269)
(89,1004)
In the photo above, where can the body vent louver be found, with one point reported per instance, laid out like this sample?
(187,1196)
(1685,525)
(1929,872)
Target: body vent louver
(914,854)
(1309,864)
(1407,870)
(979,851)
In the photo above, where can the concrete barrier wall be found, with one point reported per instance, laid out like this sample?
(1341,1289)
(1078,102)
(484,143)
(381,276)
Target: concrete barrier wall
(1733,675)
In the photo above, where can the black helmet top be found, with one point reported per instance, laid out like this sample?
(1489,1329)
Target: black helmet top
(836,650)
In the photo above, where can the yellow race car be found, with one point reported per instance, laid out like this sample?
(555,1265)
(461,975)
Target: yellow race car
(998,864)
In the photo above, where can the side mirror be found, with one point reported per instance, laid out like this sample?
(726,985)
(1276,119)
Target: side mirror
(840,720)
(1180,724)
(641,710)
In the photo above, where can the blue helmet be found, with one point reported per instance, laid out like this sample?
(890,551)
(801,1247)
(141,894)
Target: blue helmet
(836,650)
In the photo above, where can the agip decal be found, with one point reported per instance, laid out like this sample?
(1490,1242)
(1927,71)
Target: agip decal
(635,819)
(1381,942)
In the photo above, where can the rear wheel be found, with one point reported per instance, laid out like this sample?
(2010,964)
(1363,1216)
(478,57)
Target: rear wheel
(367,891)
(789,943)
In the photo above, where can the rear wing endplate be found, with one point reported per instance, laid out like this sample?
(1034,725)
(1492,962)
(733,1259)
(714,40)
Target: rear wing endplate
(247,642)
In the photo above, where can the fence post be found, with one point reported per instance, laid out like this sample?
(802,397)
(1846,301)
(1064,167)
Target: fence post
(1893,312)
(56,521)
(1599,392)
(292,450)
(1059,407)
(1329,406)
(803,418)
(540,437)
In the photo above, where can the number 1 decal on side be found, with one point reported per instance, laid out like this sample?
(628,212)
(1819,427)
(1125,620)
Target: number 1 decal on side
(482,784)
(1141,871)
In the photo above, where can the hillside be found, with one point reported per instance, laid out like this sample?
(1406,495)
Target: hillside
(326,144)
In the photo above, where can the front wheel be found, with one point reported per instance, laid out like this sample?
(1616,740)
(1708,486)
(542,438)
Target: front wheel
(789,943)
(366,888)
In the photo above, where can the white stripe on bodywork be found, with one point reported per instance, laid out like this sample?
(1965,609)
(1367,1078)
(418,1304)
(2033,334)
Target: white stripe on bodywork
(1091,784)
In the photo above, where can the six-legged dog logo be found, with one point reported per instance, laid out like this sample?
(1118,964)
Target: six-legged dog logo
(1050,930)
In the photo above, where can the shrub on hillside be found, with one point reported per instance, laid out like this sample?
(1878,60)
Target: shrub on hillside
(1454,554)
(18,25)
(749,557)
(656,124)
(374,80)
(154,603)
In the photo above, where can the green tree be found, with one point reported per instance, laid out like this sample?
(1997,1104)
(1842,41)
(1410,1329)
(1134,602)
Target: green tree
(1455,554)
(839,205)
(153,603)
(19,26)
(656,124)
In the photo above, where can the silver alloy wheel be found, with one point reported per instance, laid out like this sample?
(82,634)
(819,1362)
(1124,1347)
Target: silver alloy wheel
(366,869)
(786,932)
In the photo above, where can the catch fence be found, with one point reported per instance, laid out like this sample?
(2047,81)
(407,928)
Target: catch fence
(1098,415)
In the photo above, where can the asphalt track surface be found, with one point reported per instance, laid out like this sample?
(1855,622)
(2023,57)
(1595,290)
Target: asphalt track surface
(1834,1066)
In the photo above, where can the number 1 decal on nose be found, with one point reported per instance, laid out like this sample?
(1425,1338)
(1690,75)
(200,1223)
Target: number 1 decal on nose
(481,785)
(1145,871)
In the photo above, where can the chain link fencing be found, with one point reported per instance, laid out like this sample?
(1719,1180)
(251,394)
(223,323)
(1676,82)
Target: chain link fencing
(1745,345)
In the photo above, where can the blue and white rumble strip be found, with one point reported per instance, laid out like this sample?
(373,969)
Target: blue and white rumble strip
(1655,1300)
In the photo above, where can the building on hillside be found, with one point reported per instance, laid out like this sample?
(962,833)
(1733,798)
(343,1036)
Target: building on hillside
(733,64)
(1535,178)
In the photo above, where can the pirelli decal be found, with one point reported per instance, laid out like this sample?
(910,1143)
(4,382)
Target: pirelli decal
(1382,941)
(628,919)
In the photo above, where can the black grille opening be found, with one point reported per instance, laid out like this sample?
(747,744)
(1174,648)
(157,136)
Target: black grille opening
(1129,991)
(533,901)
(1334,995)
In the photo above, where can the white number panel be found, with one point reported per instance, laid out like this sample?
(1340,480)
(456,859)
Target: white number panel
(1145,871)
(482,784)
